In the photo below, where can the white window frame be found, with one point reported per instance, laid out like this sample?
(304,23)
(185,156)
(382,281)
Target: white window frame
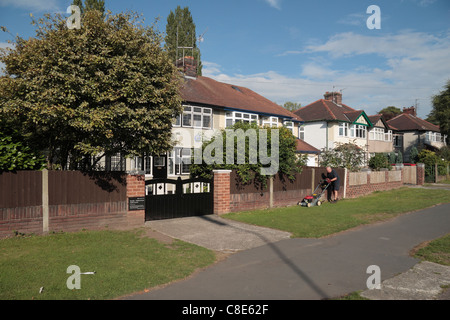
(343,129)
(270,121)
(136,164)
(358,131)
(231,117)
(191,112)
(289,124)
(301,132)
(179,161)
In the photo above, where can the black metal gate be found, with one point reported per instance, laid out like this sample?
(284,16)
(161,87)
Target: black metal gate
(169,198)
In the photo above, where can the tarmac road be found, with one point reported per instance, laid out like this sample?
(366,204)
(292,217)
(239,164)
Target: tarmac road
(311,269)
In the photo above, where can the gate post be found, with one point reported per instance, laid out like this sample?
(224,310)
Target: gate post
(135,190)
(221,190)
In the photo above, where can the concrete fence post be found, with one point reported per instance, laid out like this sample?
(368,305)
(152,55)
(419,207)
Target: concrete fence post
(271,192)
(45,202)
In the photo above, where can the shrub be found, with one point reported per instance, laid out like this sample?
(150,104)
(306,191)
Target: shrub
(379,161)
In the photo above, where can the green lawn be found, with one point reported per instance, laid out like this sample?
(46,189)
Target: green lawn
(330,218)
(437,251)
(124,262)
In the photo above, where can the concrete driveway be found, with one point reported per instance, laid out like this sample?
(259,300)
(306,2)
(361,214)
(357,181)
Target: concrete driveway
(216,233)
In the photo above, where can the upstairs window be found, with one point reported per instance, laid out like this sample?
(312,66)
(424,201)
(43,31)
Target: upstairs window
(343,129)
(301,133)
(232,117)
(195,117)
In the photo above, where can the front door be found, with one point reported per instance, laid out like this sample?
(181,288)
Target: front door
(160,167)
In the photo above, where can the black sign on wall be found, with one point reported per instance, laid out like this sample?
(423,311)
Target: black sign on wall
(136,203)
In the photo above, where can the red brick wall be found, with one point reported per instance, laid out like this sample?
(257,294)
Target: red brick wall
(420,174)
(221,190)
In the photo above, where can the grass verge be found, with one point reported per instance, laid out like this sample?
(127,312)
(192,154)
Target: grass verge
(124,262)
(437,251)
(330,218)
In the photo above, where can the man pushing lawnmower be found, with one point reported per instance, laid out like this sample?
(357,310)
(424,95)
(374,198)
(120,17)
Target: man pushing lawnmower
(333,180)
(329,182)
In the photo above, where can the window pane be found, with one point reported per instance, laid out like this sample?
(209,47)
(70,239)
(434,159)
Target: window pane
(197,120)
(178,121)
(238,115)
(206,121)
(187,120)
(229,122)
(246,116)
(197,110)
(187,109)
(206,110)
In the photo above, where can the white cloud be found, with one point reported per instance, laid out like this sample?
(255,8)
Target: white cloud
(274,3)
(34,5)
(411,66)
(354,19)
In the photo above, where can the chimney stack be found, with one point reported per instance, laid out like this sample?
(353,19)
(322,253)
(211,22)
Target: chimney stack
(187,65)
(336,97)
(411,111)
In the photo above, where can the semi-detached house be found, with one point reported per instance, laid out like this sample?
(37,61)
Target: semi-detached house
(208,107)
(328,122)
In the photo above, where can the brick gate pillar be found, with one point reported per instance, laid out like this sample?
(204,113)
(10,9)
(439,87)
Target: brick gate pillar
(420,173)
(221,191)
(135,192)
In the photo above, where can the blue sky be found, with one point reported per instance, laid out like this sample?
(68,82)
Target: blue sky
(290,50)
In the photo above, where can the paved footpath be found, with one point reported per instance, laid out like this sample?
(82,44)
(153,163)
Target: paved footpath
(293,269)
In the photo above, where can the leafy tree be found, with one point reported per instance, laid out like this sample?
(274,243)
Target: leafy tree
(390,112)
(345,155)
(379,161)
(181,22)
(430,159)
(392,157)
(90,5)
(14,155)
(86,93)
(440,114)
(399,157)
(250,170)
(413,153)
(292,106)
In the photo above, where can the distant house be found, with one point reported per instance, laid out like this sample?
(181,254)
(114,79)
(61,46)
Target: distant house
(313,153)
(412,131)
(328,122)
(380,136)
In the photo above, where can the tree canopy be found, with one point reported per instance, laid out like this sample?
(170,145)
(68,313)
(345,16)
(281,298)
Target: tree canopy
(390,112)
(292,106)
(440,114)
(180,25)
(106,88)
(90,5)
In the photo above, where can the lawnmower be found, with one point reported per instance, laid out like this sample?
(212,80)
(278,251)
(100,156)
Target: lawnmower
(314,199)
